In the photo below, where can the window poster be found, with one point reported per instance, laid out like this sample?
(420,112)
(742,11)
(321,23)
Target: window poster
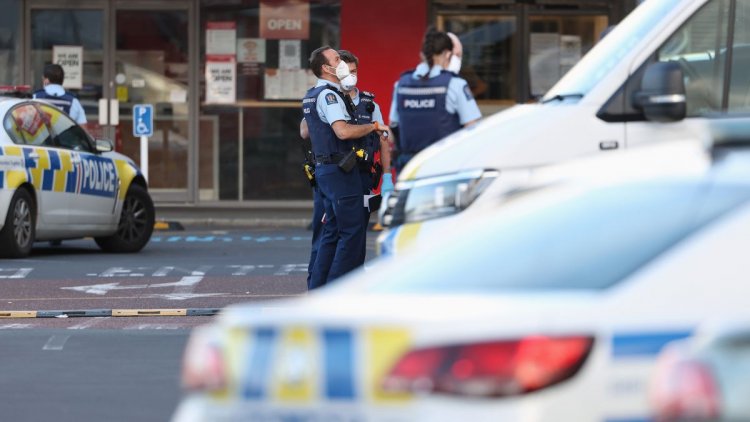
(220,82)
(570,52)
(272,84)
(221,40)
(251,50)
(285,19)
(70,57)
(290,53)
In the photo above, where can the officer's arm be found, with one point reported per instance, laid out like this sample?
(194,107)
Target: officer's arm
(303,133)
(345,131)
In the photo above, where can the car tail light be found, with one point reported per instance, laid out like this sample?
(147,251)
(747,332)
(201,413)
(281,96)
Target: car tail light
(683,389)
(490,369)
(203,366)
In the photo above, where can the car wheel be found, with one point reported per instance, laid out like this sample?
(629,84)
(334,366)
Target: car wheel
(17,235)
(136,223)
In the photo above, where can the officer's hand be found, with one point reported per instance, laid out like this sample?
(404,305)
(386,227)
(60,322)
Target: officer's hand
(382,130)
(387,186)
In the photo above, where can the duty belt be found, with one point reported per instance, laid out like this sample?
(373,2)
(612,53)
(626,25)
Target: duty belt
(329,159)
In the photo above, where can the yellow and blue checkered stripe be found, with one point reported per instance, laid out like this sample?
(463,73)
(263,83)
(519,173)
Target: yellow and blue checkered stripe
(342,365)
(64,171)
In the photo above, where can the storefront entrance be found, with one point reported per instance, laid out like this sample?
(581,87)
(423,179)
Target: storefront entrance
(118,54)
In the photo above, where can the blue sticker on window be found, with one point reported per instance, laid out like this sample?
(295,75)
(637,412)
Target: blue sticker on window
(467,92)
(331,99)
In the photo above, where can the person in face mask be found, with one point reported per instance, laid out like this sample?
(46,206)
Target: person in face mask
(331,125)
(430,102)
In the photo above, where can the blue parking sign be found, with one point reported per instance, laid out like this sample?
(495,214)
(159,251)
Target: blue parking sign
(143,120)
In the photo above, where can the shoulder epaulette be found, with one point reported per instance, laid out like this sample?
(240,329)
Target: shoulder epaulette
(367,94)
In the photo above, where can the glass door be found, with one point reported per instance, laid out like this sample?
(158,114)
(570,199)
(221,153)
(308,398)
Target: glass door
(151,65)
(75,34)
(120,53)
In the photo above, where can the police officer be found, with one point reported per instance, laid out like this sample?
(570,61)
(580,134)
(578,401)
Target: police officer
(367,111)
(332,130)
(430,102)
(55,94)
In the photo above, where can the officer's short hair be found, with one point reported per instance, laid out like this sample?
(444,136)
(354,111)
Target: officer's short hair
(348,57)
(317,60)
(54,73)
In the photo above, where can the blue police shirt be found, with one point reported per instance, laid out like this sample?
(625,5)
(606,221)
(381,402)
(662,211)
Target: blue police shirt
(458,98)
(330,108)
(76,110)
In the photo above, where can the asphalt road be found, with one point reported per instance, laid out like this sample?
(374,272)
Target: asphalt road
(125,368)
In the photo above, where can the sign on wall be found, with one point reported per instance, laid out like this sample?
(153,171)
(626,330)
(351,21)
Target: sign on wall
(285,19)
(70,57)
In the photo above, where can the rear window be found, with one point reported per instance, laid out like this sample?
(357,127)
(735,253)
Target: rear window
(591,241)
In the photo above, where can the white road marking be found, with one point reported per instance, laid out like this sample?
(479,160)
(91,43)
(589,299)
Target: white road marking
(87,324)
(154,327)
(56,342)
(183,289)
(181,296)
(289,268)
(15,326)
(16,273)
(242,270)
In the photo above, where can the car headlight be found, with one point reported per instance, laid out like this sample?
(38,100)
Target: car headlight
(435,197)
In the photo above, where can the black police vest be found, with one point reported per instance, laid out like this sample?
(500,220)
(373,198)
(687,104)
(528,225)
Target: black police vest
(423,118)
(63,102)
(324,140)
(365,110)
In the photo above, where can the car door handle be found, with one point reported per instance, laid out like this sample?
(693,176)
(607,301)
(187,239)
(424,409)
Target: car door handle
(75,159)
(34,156)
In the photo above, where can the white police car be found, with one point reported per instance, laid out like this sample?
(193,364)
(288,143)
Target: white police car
(550,307)
(57,183)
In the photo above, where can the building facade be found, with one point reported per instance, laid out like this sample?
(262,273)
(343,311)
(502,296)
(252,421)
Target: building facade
(226,77)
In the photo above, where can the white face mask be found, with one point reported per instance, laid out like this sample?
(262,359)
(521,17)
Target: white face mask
(349,82)
(342,70)
(454,65)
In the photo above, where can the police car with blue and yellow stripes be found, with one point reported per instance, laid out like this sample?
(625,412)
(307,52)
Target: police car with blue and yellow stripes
(57,182)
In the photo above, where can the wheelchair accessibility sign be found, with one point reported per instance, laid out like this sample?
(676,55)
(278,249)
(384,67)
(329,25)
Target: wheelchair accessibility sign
(143,120)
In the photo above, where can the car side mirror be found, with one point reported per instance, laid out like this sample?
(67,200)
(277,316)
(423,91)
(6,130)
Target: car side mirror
(662,94)
(104,145)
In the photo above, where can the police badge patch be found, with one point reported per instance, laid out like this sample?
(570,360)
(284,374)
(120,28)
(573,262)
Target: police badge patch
(331,99)
(467,92)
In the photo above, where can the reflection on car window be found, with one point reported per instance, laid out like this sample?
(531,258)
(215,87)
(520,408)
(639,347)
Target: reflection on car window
(591,241)
(26,126)
(67,133)
(699,46)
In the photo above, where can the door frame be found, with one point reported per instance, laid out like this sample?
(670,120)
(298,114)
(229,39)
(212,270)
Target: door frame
(109,10)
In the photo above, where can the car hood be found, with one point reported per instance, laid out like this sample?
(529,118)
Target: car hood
(501,140)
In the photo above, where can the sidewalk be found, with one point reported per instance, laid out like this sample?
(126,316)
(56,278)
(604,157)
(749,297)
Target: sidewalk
(257,214)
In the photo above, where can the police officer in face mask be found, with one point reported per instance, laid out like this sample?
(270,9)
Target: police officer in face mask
(55,94)
(368,111)
(430,102)
(332,129)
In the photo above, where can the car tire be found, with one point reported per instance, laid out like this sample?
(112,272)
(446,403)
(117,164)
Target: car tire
(17,235)
(136,223)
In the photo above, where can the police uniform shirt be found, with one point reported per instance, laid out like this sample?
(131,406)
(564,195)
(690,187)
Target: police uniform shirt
(377,115)
(329,105)
(458,98)
(76,110)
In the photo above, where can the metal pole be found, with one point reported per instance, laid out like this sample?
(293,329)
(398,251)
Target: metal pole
(144,156)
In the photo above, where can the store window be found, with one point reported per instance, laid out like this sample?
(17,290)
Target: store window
(517,52)
(10,42)
(490,45)
(254,73)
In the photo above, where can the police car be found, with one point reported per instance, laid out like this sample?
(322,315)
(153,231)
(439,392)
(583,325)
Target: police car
(662,74)
(57,183)
(551,307)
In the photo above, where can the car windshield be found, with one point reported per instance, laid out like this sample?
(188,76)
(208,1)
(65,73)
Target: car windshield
(587,241)
(611,49)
